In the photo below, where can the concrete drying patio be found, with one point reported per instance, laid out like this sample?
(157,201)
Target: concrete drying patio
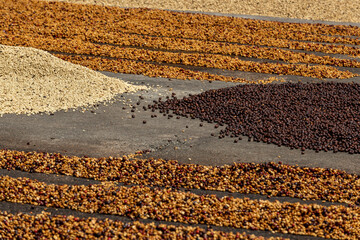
(111,131)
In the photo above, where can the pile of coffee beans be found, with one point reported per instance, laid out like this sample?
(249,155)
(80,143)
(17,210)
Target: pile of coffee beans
(320,117)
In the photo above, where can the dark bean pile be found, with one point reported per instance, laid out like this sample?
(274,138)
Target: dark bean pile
(320,117)
(171,205)
(270,179)
(46,226)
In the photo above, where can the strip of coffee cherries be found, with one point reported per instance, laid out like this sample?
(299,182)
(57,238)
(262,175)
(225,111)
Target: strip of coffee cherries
(268,179)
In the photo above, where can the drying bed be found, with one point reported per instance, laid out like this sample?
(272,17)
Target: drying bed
(60,226)
(268,179)
(325,10)
(140,202)
(170,44)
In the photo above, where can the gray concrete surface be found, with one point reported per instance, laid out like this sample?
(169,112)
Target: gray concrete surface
(111,131)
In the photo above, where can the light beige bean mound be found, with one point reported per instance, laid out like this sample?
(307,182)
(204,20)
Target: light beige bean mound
(34,81)
(326,10)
